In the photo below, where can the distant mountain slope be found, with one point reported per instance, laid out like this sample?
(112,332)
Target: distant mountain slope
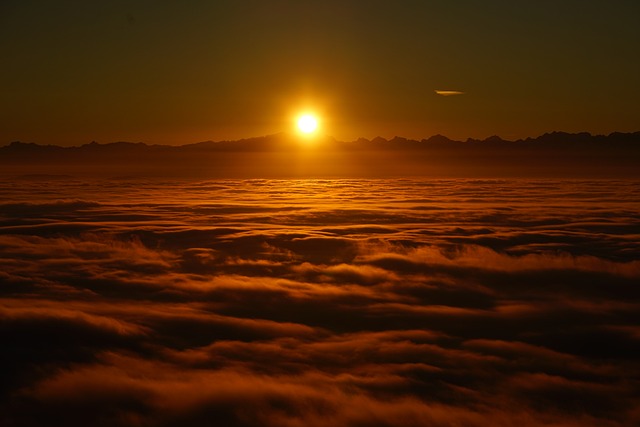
(285,155)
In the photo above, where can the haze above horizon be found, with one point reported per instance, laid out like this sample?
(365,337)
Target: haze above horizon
(166,73)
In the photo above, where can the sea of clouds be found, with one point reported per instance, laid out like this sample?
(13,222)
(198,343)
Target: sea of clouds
(388,302)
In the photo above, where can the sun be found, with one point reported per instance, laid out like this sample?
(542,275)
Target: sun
(307,124)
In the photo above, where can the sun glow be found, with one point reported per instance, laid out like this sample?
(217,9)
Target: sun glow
(307,124)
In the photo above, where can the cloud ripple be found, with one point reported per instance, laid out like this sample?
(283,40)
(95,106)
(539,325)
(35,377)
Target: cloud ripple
(320,302)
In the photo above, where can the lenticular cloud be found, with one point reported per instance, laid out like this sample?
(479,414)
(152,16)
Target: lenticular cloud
(449,92)
(334,302)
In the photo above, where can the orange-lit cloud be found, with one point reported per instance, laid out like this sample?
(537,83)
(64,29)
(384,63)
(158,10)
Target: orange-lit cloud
(288,303)
(449,92)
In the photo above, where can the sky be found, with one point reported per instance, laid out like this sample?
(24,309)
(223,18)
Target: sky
(181,72)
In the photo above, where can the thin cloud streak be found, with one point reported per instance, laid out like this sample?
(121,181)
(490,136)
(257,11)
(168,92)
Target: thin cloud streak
(449,92)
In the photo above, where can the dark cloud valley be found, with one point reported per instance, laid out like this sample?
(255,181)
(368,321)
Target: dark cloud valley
(320,302)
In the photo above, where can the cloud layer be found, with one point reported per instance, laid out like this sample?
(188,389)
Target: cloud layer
(320,302)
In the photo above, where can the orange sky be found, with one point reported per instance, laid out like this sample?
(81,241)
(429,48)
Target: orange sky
(175,73)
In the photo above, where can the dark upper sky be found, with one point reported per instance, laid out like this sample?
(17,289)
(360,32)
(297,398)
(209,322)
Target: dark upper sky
(178,72)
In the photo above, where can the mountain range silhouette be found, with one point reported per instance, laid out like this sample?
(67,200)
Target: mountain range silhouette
(284,155)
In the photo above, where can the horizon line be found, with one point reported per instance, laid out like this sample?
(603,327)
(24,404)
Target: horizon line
(325,137)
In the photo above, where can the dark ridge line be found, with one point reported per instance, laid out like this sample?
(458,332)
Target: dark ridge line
(281,140)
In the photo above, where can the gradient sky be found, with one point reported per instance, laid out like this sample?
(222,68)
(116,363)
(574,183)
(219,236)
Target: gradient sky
(180,72)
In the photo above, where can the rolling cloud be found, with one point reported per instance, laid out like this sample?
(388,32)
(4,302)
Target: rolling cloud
(316,302)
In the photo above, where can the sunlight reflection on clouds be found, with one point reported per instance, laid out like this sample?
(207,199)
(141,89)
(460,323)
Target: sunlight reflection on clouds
(363,302)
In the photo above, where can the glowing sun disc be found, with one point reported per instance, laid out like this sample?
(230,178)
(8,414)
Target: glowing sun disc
(307,123)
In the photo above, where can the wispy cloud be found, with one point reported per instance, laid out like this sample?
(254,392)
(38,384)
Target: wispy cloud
(449,92)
